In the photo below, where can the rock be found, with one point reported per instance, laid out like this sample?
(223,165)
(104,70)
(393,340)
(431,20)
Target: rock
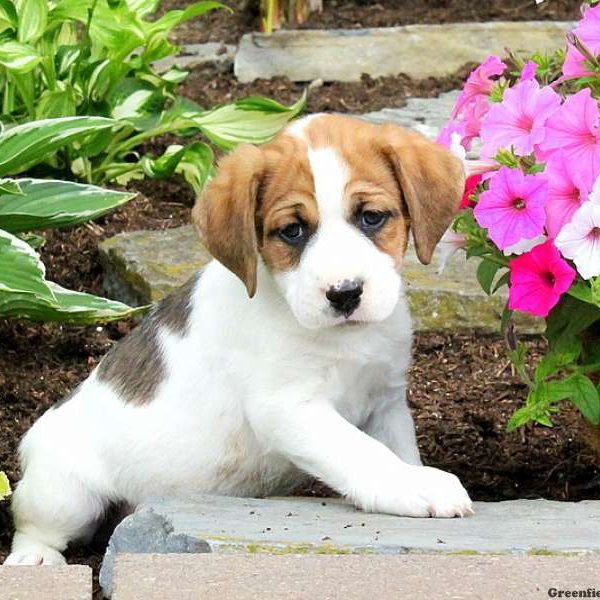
(247,577)
(194,55)
(314,526)
(69,582)
(425,115)
(417,50)
(146,532)
(144,266)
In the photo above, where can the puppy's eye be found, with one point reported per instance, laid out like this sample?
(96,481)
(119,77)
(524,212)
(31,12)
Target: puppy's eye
(372,220)
(293,234)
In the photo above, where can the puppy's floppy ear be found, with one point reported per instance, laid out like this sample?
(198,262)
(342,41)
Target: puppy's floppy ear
(224,215)
(431,180)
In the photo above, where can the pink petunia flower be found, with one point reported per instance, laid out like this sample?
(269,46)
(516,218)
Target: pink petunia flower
(568,187)
(519,120)
(574,129)
(538,279)
(529,71)
(588,32)
(479,82)
(579,240)
(513,208)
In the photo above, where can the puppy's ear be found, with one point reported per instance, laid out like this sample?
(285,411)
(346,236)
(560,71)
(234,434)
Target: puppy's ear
(431,180)
(224,215)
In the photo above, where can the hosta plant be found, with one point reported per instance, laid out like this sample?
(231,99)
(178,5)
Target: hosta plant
(28,205)
(531,210)
(61,58)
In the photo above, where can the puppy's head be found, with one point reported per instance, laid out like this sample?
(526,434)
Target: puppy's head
(327,206)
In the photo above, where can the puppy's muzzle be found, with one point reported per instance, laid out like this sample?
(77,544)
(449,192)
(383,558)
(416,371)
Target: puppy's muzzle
(345,297)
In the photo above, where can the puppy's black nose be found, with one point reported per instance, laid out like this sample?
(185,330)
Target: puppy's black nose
(345,297)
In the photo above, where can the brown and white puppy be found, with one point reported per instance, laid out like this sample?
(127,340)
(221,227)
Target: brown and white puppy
(244,389)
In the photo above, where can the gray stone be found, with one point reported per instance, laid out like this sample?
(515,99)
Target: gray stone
(417,50)
(293,577)
(194,55)
(144,266)
(146,531)
(316,526)
(425,115)
(72,582)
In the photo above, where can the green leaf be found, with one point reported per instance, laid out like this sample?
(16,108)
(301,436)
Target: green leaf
(503,280)
(583,291)
(58,103)
(25,293)
(26,145)
(10,186)
(48,204)
(485,274)
(8,15)
(143,7)
(585,397)
(565,353)
(245,121)
(173,18)
(134,100)
(33,19)
(18,58)
(5,490)
(569,318)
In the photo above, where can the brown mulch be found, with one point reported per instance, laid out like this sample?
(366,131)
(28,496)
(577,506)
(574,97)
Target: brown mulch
(209,86)
(228,27)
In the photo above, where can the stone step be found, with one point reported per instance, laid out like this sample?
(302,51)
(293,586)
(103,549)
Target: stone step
(144,266)
(314,526)
(72,582)
(218,577)
(425,115)
(417,50)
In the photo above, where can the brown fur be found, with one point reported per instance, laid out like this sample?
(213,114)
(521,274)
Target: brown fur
(135,367)
(257,191)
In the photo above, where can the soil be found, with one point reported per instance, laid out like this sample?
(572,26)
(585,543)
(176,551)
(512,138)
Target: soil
(228,27)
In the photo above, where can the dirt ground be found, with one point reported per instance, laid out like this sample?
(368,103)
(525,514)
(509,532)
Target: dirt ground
(223,26)
(462,389)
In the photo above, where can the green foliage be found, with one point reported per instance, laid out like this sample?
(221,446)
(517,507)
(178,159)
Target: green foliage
(5,490)
(63,58)
(28,204)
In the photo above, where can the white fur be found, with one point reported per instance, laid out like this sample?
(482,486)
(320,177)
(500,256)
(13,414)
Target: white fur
(257,394)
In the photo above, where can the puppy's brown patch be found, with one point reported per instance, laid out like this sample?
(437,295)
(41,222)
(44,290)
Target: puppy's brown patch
(135,366)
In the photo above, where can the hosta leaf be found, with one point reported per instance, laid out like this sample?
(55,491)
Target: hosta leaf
(22,270)
(26,145)
(17,57)
(134,100)
(173,18)
(143,7)
(5,490)
(48,204)
(58,103)
(33,18)
(194,162)
(10,186)
(25,293)
(8,15)
(245,121)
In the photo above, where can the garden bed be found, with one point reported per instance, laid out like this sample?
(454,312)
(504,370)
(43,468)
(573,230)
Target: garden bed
(221,26)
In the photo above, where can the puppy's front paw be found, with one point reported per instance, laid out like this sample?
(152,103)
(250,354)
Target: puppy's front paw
(422,492)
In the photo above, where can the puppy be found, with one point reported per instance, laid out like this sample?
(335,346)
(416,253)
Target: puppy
(285,357)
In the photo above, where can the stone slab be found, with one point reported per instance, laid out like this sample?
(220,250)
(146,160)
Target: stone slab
(195,55)
(417,50)
(314,526)
(144,266)
(215,577)
(72,582)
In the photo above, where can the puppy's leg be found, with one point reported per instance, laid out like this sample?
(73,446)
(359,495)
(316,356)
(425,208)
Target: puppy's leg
(55,502)
(392,424)
(317,439)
